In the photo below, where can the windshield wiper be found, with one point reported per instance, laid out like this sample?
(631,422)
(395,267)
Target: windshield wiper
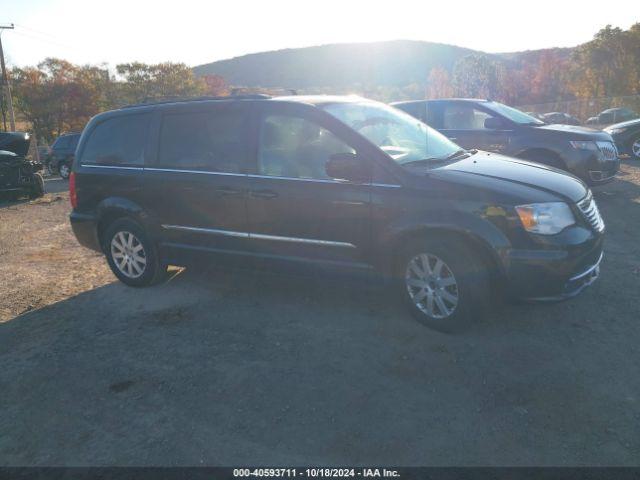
(456,154)
(423,160)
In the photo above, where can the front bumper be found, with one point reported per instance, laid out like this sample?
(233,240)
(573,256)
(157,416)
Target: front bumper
(592,167)
(575,284)
(554,274)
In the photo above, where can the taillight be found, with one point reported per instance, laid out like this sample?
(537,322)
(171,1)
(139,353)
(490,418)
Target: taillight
(73,195)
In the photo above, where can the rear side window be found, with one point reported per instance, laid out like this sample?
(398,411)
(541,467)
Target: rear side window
(204,141)
(118,141)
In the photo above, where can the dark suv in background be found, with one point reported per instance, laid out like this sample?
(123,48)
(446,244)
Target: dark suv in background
(61,155)
(333,182)
(491,126)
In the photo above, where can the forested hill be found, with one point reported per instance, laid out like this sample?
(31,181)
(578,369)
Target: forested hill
(393,63)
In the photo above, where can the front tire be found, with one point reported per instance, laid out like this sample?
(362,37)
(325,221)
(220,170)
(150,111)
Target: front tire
(443,284)
(64,170)
(131,254)
(635,148)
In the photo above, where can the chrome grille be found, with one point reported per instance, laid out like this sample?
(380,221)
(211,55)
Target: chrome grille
(591,213)
(608,150)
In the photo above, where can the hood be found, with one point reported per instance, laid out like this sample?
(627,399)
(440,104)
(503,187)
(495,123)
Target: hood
(574,131)
(16,142)
(628,123)
(522,176)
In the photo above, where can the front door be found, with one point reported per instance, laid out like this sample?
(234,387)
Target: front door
(466,124)
(295,209)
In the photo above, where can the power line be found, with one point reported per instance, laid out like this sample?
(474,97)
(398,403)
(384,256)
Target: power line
(39,32)
(41,39)
(7,86)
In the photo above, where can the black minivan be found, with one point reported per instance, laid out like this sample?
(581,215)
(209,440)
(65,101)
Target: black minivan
(340,181)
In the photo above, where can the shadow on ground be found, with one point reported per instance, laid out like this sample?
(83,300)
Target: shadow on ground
(234,368)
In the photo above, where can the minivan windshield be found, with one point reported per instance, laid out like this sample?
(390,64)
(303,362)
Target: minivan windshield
(513,114)
(401,136)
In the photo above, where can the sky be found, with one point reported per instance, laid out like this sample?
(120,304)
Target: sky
(196,32)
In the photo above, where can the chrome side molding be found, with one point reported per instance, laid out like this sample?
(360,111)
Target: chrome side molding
(259,236)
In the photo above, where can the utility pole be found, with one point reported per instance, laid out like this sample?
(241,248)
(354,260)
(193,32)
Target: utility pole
(5,79)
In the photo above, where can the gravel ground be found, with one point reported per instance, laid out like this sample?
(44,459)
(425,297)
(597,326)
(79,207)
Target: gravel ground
(233,368)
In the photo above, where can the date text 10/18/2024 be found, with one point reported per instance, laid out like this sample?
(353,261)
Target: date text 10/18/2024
(316,472)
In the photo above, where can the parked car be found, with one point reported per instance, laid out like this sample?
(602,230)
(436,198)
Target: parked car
(333,181)
(611,116)
(62,152)
(491,126)
(559,118)
(626,135)
(18,176)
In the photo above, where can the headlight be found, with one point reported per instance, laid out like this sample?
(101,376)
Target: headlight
(616,131)
(584,145)
(545,218)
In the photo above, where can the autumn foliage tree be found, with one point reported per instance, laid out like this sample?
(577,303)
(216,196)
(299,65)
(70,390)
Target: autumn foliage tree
(57,96)
(215,85)
(162,80)
(439,83)
(609,64)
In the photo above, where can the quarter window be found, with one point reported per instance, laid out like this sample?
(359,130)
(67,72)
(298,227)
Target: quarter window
(118,141)
(207,141)
(297,148)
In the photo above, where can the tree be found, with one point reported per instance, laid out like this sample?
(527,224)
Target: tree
(439,84)
(145,82)
(57,96)
(215,85)
(475,76)
(608,65)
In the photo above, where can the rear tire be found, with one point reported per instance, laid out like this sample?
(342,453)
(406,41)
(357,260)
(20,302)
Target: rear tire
(131,254)
(37,190)
(450,293)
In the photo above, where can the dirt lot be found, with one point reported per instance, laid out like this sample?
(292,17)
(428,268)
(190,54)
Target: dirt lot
(240,368)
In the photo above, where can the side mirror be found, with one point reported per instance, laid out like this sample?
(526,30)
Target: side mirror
(348,166)
(493,123)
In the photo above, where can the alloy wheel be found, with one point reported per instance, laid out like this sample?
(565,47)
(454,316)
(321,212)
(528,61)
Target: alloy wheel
(64,170)
(635,148)
(128,254)
(432,286)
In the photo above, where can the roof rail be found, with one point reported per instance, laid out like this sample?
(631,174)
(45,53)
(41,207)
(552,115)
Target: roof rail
(163,100)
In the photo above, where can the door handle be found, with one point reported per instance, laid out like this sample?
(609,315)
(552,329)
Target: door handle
(224,191)
(263,194)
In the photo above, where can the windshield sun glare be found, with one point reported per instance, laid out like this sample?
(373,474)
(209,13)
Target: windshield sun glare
(402,137)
